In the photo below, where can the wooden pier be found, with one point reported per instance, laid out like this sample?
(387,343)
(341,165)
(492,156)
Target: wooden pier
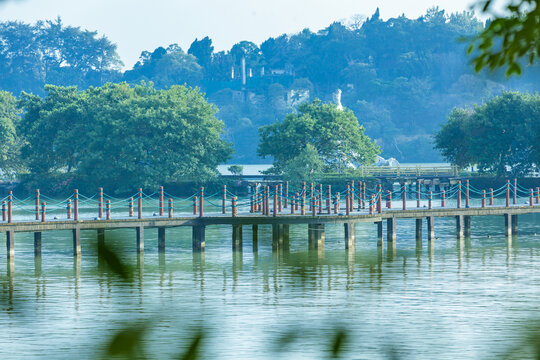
(287,210)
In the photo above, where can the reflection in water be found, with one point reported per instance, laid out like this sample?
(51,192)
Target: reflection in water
(418,297)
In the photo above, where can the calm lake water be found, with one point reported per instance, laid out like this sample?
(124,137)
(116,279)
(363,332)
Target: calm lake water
(472,299)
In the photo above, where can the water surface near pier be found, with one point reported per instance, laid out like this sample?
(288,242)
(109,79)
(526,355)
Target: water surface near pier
(473,298)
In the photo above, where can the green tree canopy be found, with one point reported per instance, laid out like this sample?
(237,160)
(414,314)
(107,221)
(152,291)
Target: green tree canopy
(335,134)
(9,141)
(509,37)
(122,137)
(497,136)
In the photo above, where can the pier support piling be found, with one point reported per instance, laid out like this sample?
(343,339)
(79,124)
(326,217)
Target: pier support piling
(139,230)
(237,237)
(77,241)
(37,244)
(161,239)
(514,224)
(380,240)
(255,235)
(430,228)
(316,236)
(459,226)
(391,229)
(419,229)
(508,224)
(198,241)
(10,244)
(100,238)
(350,238)
(467,225)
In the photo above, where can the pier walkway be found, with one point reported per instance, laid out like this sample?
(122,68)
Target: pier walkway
(279,206)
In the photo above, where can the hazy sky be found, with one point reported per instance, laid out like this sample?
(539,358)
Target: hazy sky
(137,25)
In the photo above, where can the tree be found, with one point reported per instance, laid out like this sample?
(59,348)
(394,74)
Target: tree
(9,141)
(508,38)
(304,166)
(202,50)
(496,136)
(123,137)
(236,169)
(166,67)
(335,134)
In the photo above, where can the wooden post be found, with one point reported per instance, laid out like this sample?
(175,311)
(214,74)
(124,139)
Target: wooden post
(353,190)
(311,196)
(335,202)
(201,202)
(348,201)
(130,206)
(161,239)
(161,198)
(108,209)
(515,192)
(293,200)
(467,194)
(286,194)
(459,194)
(350,236)
(297,202)
(303,195)
(313,207)
(379,199)
(418,189)
(100,239)
(443,196)
(508,193)
(490,196)
(224,199)
(170,208)
(43,208)
(139,207)
(371,203)
(69,209)
(10,206)
(363,195)
(388,199)
(4,210)
(100,202)
(36,197)
(76,205)
(430,197)
(538,195)
(195,200)
(483,198)
(234,207)
(316,236)
(360,196)
(303,205)
(404,195)
(328,199)
(237,237)
(531,197)
(275,200)
(319,199)
(280,197)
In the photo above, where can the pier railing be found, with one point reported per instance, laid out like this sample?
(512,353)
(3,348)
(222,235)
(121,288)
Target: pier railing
(308,199)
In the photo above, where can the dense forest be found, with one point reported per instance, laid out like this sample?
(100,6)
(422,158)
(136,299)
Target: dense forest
(401,77)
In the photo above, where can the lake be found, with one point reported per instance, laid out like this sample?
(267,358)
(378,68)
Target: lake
(474,298)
